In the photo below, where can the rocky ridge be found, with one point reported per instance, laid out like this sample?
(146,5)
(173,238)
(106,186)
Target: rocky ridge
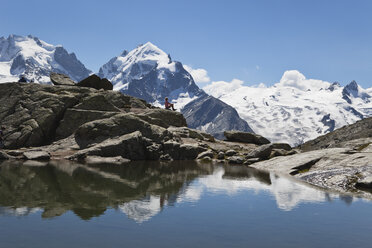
(82,123)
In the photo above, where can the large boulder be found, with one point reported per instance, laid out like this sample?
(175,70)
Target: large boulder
(163,118)
(95,82)
(186,132)
(74,118)
(190,151)
(61,79)
(97,102)
(117,125)
(36,155)
(262,152)
(246,137)
(129,146)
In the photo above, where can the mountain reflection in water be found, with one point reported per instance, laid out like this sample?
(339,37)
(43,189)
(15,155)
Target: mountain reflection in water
(138,189)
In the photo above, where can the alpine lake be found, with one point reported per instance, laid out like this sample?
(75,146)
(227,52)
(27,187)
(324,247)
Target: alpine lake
(172,204)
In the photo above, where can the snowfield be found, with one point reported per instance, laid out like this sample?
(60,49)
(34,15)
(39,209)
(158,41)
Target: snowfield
(296,109)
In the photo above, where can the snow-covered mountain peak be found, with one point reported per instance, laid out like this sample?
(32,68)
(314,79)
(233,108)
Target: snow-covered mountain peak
(352,88)
(134,65)
(354,93)
(149,49)
(149,73)
(35,59)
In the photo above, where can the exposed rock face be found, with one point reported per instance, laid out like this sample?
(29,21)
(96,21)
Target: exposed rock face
(340,160)
(360,129)
(61,79)
(341,169)
(213,116)
(245,137)
(32,113)
(130,146)
(88,122)
(95,82)
(117,125)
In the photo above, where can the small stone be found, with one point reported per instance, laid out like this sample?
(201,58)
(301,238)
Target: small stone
(15,153)
(235,160)
(283,146)
(36,155)
(106,160)
(61,79)
(278,152)
(93,81)
(263,152)
(3,156)
(230,153)
(251,161)
(221,155)
(165,157)
(208,153)
(246,137)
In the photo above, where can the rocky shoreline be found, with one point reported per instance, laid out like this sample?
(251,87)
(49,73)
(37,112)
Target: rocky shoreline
(96,125)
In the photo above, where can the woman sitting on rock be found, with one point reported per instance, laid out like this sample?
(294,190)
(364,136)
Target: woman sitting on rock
(169,105)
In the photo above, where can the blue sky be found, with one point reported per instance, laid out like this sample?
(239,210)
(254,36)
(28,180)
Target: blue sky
(254,41)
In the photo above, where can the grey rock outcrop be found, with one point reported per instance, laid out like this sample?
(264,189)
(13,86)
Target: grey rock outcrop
(208,153)
(99,130)
(83,122)
(36,155)
(32,113)
(236,160)
(245,137)
(262,152)
(95,82)
(61,79)
(342,169)
(129,146)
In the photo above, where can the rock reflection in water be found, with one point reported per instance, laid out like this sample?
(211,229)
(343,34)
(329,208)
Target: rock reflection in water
(139,189)
(88,191)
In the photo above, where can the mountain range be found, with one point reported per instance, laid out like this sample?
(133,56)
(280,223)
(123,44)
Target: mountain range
(35,59)
(294,110)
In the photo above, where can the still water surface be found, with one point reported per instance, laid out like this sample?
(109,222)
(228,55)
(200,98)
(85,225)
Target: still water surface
(177,204)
